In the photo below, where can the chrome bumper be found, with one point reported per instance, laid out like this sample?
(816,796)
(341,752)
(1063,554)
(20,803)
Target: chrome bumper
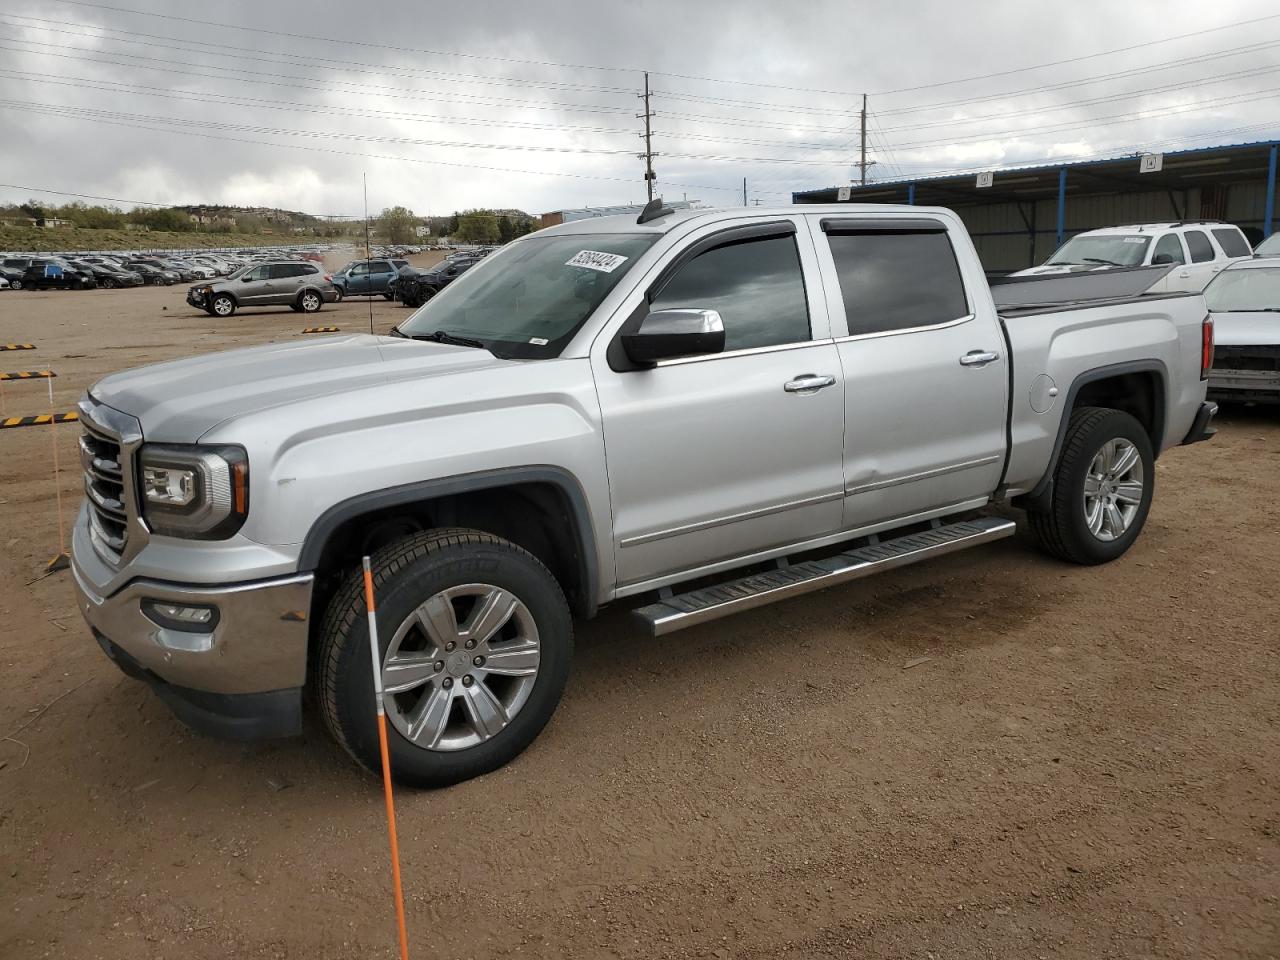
(258,644)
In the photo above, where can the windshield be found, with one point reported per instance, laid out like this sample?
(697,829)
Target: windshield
(1269,247)
(528,300)
(1114,251)
(1244,291)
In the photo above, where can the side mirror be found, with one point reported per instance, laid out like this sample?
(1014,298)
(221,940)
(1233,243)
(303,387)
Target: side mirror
(1161,259)
(667,334)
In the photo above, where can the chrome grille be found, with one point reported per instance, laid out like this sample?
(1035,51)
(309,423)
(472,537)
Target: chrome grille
(104,486)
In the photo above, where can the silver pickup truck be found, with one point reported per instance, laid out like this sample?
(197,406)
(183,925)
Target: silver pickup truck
(694,413)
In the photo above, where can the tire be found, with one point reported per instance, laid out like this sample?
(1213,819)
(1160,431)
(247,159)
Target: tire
(407,574)
(107,283)
(15,284)
(340,293)
(310,302)
(222,305)
(388,295)
(1098,440)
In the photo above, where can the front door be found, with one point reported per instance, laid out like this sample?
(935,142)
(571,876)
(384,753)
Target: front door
(925,370)
(718,457)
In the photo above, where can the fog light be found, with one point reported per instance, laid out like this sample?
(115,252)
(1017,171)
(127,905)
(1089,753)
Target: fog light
(180,616)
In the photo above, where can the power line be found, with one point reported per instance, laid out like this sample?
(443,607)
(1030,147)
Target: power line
(1079,59)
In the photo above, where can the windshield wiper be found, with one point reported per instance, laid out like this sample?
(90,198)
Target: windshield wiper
(1109,263)
(444,336)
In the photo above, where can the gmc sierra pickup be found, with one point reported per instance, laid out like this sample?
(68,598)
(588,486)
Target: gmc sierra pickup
(696,412)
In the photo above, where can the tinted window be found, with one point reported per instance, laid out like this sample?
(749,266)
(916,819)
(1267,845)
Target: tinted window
(380,266)
(756,286)
(895,281)
(307,270)
(1170,246)
(1198,246)
(283,271)
(1232,242)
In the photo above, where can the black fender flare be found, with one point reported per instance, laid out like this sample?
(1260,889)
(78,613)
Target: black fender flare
(580,515)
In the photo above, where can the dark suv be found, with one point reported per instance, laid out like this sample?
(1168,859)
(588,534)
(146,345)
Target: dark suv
(417,289)
(302,286)
(44,273)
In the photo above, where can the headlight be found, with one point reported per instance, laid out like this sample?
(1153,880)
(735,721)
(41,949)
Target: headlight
(200,492)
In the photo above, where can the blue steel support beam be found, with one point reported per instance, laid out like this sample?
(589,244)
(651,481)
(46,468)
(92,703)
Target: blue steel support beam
(1062,203)
(1269,214)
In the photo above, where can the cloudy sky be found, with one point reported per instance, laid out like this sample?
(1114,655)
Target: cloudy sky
(533,104)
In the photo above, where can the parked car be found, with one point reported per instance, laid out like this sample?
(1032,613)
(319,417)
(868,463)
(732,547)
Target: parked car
(1244,300)
(4,282)
(107,276)
(367,277)
(832,384)
(12,268)
(1196,249)
(12,277)
(1269,247)
(152,274)
(301,286)
(54,273)
(416,289)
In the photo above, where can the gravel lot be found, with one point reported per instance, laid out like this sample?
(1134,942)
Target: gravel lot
(993,755)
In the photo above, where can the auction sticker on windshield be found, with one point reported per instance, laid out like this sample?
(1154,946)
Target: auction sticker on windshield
(595,260)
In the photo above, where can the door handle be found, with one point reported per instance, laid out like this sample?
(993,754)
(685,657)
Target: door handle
(808,383)
(978,358)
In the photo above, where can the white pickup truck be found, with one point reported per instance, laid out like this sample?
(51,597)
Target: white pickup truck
(694,412)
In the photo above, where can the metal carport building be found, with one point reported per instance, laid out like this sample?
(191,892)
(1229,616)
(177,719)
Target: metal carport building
(1027,212)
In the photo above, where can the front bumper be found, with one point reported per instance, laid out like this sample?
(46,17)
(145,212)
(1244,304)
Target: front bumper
(197,299)
(240,679)
(1257,386)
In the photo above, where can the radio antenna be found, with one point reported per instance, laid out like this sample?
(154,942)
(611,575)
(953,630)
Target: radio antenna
(367,252)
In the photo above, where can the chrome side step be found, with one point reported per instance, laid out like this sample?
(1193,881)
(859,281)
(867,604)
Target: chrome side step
(711,603)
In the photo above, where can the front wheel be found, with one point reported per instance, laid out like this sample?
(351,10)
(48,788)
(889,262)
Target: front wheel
(15,284)
(475,645)
(107,283)
(338,290)
(222,305)
(1102,488)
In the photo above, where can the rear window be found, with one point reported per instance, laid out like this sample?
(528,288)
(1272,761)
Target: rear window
(1198,246)
(1232,242)
(897,281)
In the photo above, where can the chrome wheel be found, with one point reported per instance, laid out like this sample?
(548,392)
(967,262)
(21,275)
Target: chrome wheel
(223,306)
(310,302)
(460,667)
(1113,489)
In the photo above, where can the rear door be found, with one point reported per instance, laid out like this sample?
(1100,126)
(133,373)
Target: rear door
(717,457)
(1203,261)
(926,375)
(285,283)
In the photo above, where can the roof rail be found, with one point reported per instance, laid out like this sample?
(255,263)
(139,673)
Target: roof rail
(653,210)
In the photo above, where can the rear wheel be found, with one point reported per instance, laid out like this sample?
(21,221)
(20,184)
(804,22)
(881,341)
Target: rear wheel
(475,646)
(1102,488)
(107,283)
(222,305)
(310,301)
(15,284)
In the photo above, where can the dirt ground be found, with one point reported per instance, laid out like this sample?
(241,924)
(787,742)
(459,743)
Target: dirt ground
(1086,765)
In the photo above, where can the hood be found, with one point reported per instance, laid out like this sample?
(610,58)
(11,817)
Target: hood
(1061,268)
(180,401)
(1246,329)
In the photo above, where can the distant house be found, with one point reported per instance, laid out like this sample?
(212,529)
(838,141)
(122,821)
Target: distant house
(50,222)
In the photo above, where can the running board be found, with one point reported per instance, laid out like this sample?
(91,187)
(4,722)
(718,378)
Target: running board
(710,603)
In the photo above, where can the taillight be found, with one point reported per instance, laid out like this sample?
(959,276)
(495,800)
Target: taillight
(328,278)
(1206,347)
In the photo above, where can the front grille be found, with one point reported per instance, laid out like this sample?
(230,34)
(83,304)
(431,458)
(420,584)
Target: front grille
(104,486)
(1247,358)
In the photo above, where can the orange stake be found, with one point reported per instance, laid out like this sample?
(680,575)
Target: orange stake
(386,759)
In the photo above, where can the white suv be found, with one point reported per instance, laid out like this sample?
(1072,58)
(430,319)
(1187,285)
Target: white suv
(1198,249)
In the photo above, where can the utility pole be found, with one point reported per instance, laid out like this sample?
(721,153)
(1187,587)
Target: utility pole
(863,163)
(647,156)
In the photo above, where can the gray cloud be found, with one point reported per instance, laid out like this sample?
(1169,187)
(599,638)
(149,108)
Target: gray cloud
(142,107)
